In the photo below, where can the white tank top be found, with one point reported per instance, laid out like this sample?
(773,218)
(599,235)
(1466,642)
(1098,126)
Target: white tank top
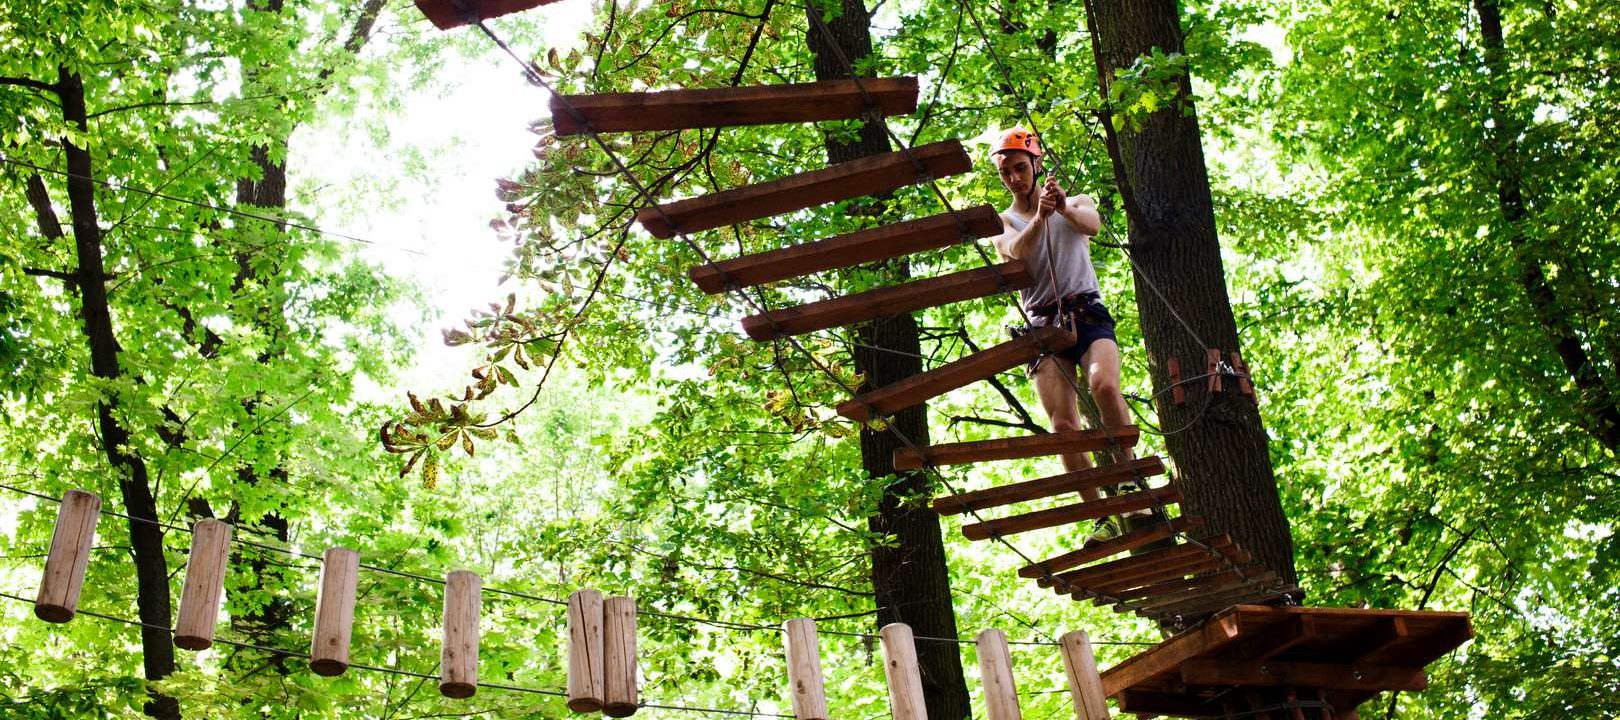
(1069,263)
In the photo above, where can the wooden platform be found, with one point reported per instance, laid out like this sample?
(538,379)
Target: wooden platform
(919,388)
(888,301)
(731,107)
(1348,655)
(866,176)
(446,15)
(848,250)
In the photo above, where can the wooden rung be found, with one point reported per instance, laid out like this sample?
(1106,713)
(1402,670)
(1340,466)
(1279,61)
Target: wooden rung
(1068,482)
(805,682)
(887,301)
(1126,576)
(866,176)
(731,107)
(621,694)
(1218,603)
(458,656)
(1174,591)
(1058,443)
(586,666)
(1125,566)
(1110,547)
(1200,587)
(1191,566)
(204,587)
(334,612)
(1054,517)
(995,671)
(1085,685)
(445,14)
(866,246)
(917,389)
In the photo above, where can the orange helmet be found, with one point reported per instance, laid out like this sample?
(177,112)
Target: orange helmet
(1016,139)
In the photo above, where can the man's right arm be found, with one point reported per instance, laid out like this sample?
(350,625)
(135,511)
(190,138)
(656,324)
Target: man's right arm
(1015,244)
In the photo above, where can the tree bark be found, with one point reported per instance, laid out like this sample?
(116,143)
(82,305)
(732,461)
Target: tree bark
(145,538)
(1598,406)
(1219,446)
(909,576)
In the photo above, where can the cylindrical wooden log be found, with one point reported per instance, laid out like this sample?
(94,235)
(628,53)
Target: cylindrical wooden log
(620,697)
(205,585)
(906,701)
(71,542)
(995,671)
(1080,664)
(458,663)
(334,612)
(585,663)
(804,669)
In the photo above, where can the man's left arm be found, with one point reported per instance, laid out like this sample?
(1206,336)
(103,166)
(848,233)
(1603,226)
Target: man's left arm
(1081,212)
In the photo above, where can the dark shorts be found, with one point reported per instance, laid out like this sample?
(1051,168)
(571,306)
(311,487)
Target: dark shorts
(1090,321)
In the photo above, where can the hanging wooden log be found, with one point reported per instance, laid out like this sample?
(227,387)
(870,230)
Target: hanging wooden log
(1080,665)
(458,663)
(732,106)
(447,14)
(888,301)
(1110,547)
(619,657)
(866,176)
(1075,481)
(65,563)
(995,671)
(920,388)
(889,241)
(586,666)
(1013,448)
(804,669)
(334,612)
(205,585)
(1054,517)
(900,668)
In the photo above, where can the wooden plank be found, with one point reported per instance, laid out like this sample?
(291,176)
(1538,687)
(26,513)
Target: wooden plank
(445,14)
(1274,673)
(866,176)
(1148,704)
(1110,547)
(1048,486)
(1214,357)
(687,109)
(1152,575)
(920,388)
(1058,443)
(1180,591)
(1178,394)
(1244,385)
(1378,639)
(1169,655)
(888,301)
(1126,566)
(882,243)
(1219,602)
(1054,517)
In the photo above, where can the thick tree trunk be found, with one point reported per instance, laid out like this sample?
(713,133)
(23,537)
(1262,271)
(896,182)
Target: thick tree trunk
(1220,447)
(1598,405)
(145,538)
(909,577)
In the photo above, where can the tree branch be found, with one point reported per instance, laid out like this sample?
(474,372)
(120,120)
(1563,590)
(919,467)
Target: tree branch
(40,199)
(67,277)
(31,83)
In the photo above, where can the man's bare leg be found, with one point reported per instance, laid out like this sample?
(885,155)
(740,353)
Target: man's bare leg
(1101,362)
(1055,381)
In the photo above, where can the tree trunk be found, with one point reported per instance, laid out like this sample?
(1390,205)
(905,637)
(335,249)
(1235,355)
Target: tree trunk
(1220,444)
(1599,407)
(909,577)
(145,538)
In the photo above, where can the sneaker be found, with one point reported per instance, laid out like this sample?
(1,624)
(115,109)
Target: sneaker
(1105,529)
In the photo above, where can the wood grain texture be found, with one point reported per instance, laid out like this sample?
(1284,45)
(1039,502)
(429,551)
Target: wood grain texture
(204,587)
(733,106)
(69,555)
(334,612)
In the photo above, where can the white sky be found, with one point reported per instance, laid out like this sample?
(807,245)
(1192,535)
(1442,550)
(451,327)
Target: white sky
(429,223)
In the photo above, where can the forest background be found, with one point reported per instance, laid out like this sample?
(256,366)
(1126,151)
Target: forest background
(1417,213)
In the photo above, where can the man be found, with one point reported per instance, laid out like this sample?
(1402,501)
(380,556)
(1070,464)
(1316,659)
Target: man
(1051,233)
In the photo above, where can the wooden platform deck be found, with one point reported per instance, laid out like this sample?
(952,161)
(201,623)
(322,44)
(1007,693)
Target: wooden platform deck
(1342,655)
